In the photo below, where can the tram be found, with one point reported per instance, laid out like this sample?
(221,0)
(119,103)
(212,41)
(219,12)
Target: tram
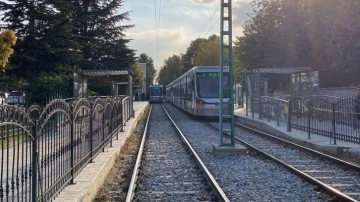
(156,93)
(197,91)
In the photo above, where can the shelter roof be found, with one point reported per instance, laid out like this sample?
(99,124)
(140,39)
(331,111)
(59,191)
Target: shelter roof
(95,73)
(282,70)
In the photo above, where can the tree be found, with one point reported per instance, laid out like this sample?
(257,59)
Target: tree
(150,70)
(276,36)
(101,34)
(56,37)
(208,52)
(201,51)
(7,40)
(137,74)
(170,71)
(335,35)
(190,56)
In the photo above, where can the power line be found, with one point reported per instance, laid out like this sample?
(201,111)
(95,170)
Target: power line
(208,23)
(157,45)
(156,29)
(216,21)
(212,27)
(157,24)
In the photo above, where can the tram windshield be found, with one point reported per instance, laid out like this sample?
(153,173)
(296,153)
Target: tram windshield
(208,84)
(156,91)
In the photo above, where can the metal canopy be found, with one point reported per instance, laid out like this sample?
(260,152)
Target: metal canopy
(117,77)
(282,70)
(96,73)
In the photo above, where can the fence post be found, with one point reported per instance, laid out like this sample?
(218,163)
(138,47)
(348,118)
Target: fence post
(252,106)
(122,116)
(278,113)
(268,110)
(289,114)
(333,121)
(91,132)
(260,108)
(103,130)
(34,163)
(246,104)
(72,151)
(309,116)
(111,125)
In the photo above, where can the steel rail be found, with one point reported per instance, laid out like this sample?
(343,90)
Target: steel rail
(132,186)
(216,187)
(326,187)
(345,163)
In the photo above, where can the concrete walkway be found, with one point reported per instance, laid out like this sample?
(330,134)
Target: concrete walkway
(91,178)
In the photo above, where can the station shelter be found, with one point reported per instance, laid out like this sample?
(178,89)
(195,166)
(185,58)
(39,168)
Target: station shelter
(121,81)
(301,82)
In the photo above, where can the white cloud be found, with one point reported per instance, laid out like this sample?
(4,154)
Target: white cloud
(170,42)
(204,1)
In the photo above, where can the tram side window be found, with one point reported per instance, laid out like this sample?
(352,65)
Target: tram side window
(189,87)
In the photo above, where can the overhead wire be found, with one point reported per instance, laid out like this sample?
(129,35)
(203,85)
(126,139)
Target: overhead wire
(208,23)
(156,29)
(159,16)
(216,21)
(157,24)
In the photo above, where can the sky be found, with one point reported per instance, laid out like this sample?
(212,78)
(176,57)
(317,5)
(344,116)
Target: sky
(163,28)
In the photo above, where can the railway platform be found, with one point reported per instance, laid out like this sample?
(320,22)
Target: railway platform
(298,136)
(93,175)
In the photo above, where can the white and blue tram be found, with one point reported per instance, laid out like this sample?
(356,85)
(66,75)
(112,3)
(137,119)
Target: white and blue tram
(197,91)
(156,93)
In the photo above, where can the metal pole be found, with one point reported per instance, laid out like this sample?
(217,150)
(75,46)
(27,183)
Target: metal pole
(226,60)
(34,163)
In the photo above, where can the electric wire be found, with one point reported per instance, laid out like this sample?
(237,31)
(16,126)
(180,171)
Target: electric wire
(157,25)
(209,22)
(159,16)
(216,21)
(156,30)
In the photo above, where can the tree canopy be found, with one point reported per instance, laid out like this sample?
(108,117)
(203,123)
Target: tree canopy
(150,69)
(7,40)
(201,52)
(58,37)
(322,34)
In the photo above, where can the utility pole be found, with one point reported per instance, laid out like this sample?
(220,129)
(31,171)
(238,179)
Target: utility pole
(226,114)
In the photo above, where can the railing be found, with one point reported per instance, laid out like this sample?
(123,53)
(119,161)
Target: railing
(327,116)
(43,149)
(272,108)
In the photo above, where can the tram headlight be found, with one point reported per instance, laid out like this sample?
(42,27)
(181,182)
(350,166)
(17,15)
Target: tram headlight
(201,102)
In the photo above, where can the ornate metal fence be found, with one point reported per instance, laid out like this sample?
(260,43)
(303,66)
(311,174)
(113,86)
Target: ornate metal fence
(328,116)
(43,149)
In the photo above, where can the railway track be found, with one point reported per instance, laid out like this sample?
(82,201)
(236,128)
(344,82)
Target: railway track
(335,176)
(246,176)
(168,169)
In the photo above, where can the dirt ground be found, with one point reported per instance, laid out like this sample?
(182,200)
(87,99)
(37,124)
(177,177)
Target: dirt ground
(117,182)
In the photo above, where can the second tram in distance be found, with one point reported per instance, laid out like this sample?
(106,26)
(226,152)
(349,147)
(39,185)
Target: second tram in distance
(156,93)
(197,91)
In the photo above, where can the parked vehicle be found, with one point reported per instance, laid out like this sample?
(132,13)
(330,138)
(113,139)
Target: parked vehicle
(16,98)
